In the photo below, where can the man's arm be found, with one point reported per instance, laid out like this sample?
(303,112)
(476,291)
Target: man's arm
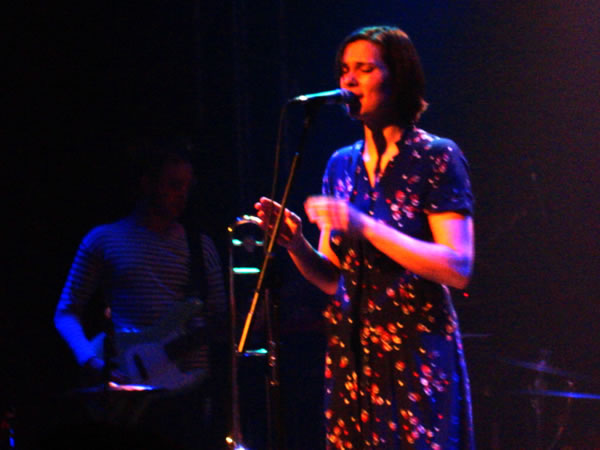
(81,283)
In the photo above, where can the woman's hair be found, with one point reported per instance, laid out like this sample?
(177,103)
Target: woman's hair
(402,59)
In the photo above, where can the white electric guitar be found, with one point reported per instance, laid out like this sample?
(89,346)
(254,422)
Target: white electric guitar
(149,357)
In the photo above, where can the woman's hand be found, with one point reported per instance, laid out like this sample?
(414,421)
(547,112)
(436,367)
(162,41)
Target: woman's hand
(334,214)
(447,260)
(318,268)
(290,232)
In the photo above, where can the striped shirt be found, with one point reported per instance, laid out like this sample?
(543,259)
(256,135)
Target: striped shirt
(142,274)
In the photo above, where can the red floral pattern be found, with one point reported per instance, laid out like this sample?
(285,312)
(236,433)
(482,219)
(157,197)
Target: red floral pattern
(394,371)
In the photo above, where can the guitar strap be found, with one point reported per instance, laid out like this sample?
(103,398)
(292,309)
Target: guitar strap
(197,285)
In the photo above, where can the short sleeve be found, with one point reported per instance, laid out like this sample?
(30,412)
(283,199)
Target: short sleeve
(450,185)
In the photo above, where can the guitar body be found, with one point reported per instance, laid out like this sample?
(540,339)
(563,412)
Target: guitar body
(145,358)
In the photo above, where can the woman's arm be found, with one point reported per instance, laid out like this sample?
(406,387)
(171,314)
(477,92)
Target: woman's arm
(447,260)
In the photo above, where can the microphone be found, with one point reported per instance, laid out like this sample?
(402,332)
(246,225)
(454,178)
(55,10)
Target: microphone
(335,97)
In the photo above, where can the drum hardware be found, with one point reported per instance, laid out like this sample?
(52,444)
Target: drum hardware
(563,394)
(538,366)
(539,390)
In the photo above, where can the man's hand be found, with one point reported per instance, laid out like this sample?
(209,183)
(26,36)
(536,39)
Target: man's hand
(94,369)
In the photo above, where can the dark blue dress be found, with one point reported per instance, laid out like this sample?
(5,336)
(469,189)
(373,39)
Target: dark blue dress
(395,375)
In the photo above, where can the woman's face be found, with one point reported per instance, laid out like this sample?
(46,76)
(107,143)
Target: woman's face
(366,75)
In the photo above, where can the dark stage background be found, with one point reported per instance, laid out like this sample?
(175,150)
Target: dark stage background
(515,84)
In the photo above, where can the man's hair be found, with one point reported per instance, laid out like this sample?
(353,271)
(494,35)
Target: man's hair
(150,154)
(402,59)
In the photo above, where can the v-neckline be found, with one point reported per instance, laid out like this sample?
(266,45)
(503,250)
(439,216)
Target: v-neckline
(377,175)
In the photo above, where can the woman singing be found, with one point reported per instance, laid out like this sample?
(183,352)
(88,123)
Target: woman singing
(396,229)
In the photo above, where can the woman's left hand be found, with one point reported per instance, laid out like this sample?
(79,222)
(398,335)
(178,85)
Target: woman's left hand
(333,214)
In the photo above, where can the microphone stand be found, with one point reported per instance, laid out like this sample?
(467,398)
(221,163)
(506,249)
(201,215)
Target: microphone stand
(273,387)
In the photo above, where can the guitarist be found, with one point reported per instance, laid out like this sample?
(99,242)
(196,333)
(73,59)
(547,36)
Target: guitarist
(145,265)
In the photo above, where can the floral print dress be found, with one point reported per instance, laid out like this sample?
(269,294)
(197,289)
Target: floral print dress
(395,375)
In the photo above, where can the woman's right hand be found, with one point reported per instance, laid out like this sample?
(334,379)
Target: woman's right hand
(290,232)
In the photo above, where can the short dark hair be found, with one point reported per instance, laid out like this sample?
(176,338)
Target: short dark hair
(151,154)
(402,59)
